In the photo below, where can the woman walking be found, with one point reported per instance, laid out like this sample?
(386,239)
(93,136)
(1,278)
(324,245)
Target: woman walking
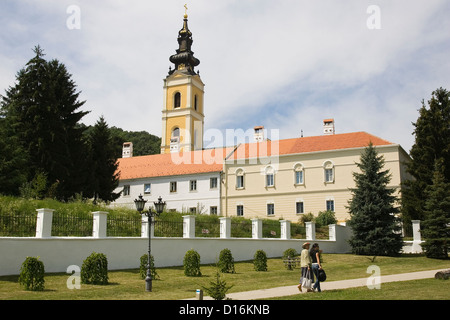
(305,264)
(316,266)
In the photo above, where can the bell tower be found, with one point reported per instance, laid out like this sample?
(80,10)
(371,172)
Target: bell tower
(182,114)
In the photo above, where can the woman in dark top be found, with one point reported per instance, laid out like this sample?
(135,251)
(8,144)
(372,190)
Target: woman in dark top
(316,266)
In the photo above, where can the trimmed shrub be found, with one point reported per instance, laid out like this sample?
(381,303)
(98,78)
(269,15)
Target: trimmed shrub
(324,218)
(191,263)
(291,253)
(260,260)
(143,267)
(95,269)
(226,261)
(32,274)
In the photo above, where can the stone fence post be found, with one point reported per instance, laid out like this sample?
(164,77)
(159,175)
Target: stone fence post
(225,227)
(145,225)
(100,222)
(285,229)
(257,229)
(188,226)
(310,230)
(44,223)
(416,230)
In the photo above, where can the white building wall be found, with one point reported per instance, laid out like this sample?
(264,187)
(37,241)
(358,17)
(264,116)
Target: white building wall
(203,198)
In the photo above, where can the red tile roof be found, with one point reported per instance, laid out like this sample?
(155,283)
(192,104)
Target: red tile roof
(170,164)
(308,144)
(211,160)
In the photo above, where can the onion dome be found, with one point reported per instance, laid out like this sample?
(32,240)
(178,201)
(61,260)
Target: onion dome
(184,59)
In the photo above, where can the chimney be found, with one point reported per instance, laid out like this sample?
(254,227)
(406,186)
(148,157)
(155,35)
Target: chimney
(259,133)
(127,150)
(328,126)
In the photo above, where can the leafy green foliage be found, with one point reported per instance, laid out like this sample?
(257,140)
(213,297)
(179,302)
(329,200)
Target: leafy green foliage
(32,274)
(325,218)
(260,260)
(226,261)
(372,209)
(191,263)
(95,269)
(143,267)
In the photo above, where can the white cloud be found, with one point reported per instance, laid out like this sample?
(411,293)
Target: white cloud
(283,64)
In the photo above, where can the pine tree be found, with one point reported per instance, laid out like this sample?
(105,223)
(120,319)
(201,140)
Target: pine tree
(437,215)
(372,209)
(41,110)
(432,141)
(103,164)
(13,159)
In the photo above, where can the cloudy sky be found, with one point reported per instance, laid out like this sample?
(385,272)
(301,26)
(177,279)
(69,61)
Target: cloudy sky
(284,64)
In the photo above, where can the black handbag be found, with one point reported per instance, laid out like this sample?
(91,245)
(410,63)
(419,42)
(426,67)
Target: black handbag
(322,275)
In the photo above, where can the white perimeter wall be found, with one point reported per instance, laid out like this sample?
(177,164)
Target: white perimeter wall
(124,253)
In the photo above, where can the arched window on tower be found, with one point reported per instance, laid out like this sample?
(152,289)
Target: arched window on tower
(195,103)
(177,100)
(175,140)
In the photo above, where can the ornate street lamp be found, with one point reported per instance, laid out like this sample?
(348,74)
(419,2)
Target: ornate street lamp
(159,207)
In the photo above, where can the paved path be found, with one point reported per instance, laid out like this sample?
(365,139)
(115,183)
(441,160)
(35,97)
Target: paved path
(327,285)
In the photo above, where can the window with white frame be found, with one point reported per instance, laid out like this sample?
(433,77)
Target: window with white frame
(270,209)
(173,186)
(270,177)
(299,174)
(239,210)
(213,183)
(213,210)
(193,185)
(328,168)
(330,205)
(126,190)
(299,207)
(240,179)
(177,100)
(147,188)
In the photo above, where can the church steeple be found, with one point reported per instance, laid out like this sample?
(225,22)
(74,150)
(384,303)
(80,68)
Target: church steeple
(184,59)
(183,113)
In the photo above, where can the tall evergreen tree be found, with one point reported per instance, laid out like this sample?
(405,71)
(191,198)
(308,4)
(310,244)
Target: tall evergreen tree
(13,160)
(432,141)
(437,215)
(372,209)
(103,164)
(42,112)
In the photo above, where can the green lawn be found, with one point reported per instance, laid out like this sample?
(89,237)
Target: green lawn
(425,289)
(126,284)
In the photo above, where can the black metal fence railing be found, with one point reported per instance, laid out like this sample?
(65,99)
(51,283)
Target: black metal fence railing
(241,229)
(17,225)
(207,229)
(123,227)
(168,228)
(71,226)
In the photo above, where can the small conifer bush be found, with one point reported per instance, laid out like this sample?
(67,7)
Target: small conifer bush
(226,261)
(32,274)
(260,261)
(191,263)
(143,267)
(95,269)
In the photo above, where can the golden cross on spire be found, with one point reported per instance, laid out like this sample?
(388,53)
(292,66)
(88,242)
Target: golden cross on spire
(185,11)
